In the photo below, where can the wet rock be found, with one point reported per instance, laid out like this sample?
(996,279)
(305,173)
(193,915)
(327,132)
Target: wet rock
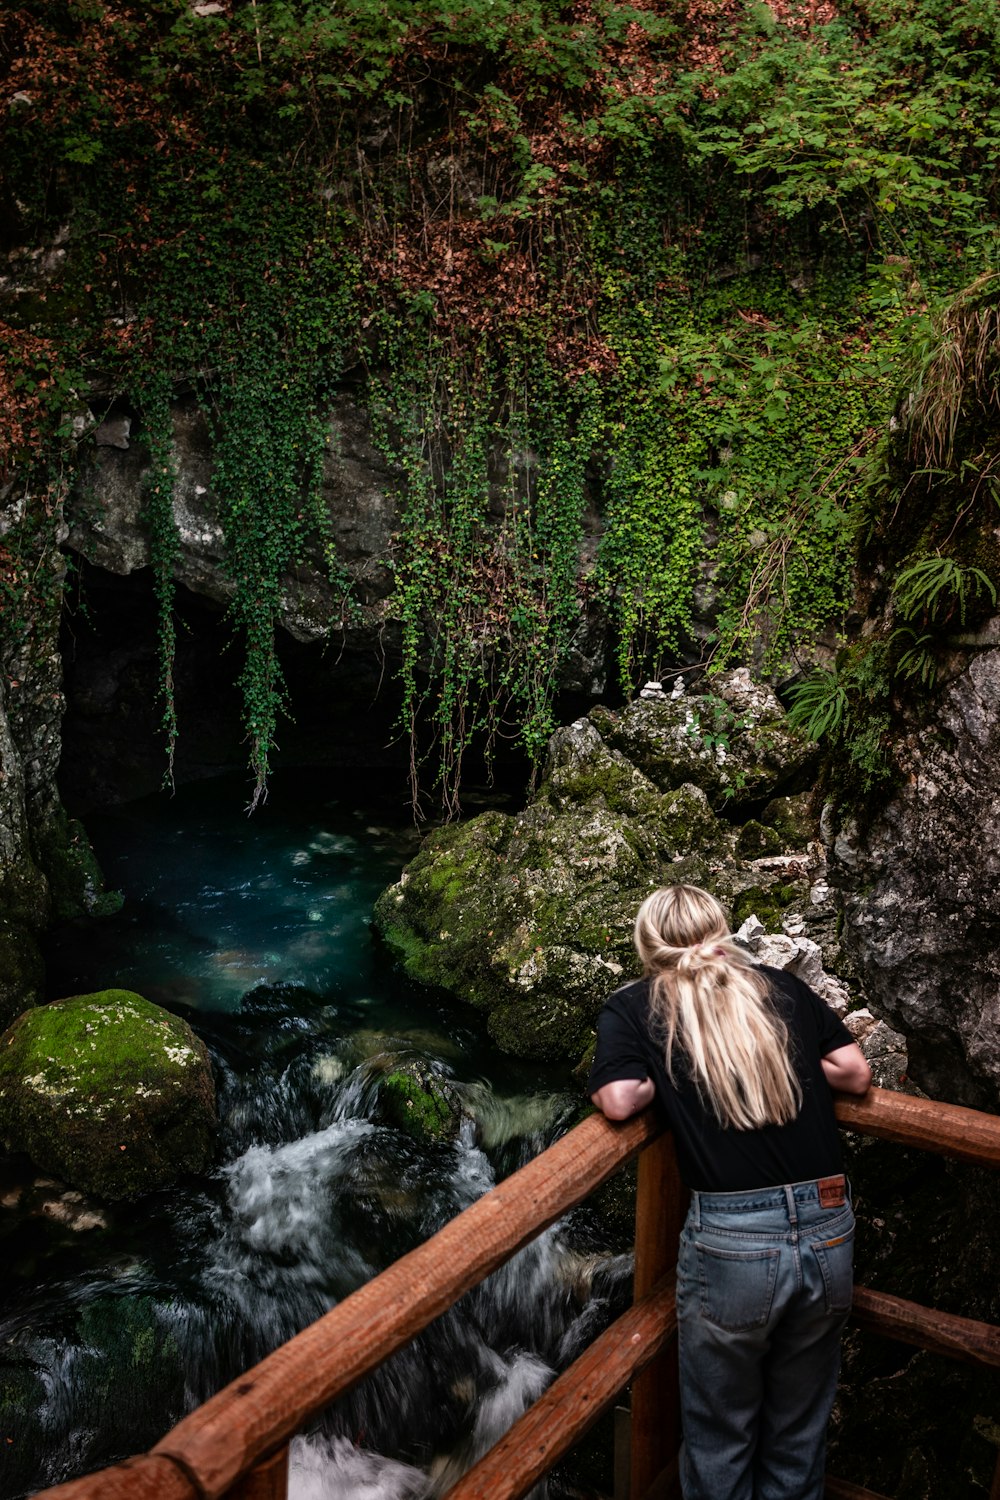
(109,1092)
(420,1101)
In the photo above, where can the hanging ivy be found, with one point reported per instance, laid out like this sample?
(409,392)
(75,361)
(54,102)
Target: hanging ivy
(662,262)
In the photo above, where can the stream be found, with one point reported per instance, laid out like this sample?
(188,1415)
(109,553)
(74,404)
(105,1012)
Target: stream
(118,1319)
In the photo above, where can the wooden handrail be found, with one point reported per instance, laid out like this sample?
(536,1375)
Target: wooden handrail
(251,1420)
(573,1402)
(661,1202)
(255,1414)
(927,1328)
(948,1129)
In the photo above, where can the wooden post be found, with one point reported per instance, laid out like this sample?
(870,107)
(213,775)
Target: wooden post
(995,1490)
(660,1209)
(267,1480)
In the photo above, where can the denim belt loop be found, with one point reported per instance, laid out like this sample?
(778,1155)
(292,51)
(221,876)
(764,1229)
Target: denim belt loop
(793,1212)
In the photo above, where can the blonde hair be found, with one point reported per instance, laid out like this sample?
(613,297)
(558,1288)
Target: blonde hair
(706,995)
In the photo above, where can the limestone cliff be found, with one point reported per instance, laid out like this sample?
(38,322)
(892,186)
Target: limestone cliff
(921,887)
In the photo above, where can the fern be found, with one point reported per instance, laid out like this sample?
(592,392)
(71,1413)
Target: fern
(819,704)
(935,585)
(918,660)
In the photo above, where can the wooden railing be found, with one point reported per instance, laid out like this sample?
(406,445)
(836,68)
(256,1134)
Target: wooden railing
(236,1444)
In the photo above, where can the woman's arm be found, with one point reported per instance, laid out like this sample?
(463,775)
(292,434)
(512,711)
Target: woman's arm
(624,1097)
(846,1069)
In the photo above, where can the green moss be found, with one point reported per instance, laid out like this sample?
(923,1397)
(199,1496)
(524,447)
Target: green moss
(755,840)
(108,1092)
(412,953)
(437,919)
(76,880)
(416,1101)
(767,903)
(792,819)
(685,822)
(100,1041)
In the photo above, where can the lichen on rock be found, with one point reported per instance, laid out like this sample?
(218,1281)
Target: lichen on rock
(108,1092)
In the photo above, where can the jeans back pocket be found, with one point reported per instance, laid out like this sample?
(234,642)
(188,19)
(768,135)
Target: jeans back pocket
(737,1286)
(836,1263)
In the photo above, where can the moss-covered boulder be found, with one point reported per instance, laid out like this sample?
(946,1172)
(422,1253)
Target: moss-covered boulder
(108,1092)
(416,1099)
(734,741)
(793,819)
(530,917)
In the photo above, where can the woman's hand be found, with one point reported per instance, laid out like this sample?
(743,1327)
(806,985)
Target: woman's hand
(624,1097)
(846,1069)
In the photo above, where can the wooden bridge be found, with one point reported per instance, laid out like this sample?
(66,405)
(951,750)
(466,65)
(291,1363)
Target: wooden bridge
(236,1445)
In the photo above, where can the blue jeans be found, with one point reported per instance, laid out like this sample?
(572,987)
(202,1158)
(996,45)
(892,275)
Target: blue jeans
(764,1286)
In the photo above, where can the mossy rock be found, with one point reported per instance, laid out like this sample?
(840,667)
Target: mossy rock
(768,903)
(755,840)
(22,972)
(108,1092)
(530,918)
(734,742)
(76,880)
(685,824)
(581,769)
(419,1101)
(793,819)
(438,918)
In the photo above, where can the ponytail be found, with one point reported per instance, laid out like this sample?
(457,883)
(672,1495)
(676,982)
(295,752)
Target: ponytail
(707,996)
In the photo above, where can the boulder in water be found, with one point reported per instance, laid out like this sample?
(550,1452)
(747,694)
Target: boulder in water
(417,1100)
(108,1092)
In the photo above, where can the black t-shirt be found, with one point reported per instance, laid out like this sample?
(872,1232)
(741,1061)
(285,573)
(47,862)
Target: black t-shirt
(720,1159)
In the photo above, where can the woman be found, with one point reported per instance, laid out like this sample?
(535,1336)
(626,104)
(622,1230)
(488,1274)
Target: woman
(742,1060)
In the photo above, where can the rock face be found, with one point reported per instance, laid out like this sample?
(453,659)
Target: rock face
(921,891)
(108,1093)
(46,865)
(104,516)
(530,917)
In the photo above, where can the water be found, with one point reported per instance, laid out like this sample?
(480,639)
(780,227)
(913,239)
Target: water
(117,1320)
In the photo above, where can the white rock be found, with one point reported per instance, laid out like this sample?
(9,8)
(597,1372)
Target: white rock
(800,956)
